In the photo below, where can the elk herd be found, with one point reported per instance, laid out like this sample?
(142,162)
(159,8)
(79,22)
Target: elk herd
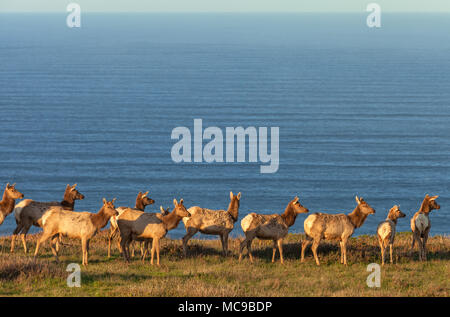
(58,219)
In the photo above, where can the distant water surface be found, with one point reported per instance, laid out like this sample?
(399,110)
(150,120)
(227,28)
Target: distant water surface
(361,111)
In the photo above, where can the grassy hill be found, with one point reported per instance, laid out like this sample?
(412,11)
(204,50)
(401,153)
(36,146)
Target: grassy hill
(206,273)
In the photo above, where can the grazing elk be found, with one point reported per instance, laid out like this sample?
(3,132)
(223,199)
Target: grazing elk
(136,225)
(29,212)
(214,222)
(142,200)
(77,225)
(338,227)
(386,231)
(421,225)
(8,201)
(270,227)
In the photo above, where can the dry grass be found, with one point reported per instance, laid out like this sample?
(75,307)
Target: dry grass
(206,273)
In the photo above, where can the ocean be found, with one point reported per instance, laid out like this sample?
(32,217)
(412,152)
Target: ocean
(361,111)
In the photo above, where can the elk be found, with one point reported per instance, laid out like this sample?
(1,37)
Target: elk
(386,231)
(8,201)
(270,227)
(29,212)
(213,222)
(77,225)
(142,200)
(338,227)
(421,225)
(136,225)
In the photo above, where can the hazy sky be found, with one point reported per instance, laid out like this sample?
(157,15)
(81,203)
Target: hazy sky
(226,5)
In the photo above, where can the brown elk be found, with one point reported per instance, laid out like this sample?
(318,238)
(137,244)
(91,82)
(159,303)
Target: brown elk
(29,213)
(214,222)
(338,227)
(421,225)
(76,225)
(386,231)
(8,201)
(270,227)
(142,200)
(141,226)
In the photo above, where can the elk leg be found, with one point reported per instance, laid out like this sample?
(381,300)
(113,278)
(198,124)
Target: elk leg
(274,250)
(305,244)
(83,251)
(13,238)
(42,239)
(241,248)
(153,251)
(314,247)
(342,252)
(249,249)
(280,248)
(157,251)
(23,236)
(425,239)
(145,251)
(391,252)
(412,244)
(123,242)
(344,249)
(225,240)
(112,234)
(189,234)
(54,249)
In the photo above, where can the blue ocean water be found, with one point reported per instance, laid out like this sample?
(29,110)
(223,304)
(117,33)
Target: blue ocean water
(361,111)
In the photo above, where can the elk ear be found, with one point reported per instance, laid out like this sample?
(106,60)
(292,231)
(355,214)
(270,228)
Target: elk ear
(231,195)
(239,196)
(181,201)
(74,186)
(114,199)
(357,200)
(145,195)
(432,198)
(162,209)
(7,185)
(295,200)
(175,202)
(14,185)
(104,201)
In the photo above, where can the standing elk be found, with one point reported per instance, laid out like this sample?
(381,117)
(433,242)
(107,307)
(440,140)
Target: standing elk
(421,225)
(386,232)
(136,225)
(8,201)
(29,212)
(270,227)
(214,222)
(338,227)
(77,225)
(142,200)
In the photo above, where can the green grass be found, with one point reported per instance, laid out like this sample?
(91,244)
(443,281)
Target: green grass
(206,273)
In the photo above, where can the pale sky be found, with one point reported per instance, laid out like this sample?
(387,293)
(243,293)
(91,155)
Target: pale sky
(225,5)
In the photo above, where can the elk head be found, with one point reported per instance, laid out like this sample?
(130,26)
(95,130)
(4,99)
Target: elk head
(297,207)
(12,192)
(364,207)
(180,210)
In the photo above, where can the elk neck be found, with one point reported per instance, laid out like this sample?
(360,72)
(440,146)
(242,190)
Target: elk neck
(68,203)
(171,220)
(289,215)
(233,209)
(100,219)
(356,217)
(7,204)
(425,207)
(139,204)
